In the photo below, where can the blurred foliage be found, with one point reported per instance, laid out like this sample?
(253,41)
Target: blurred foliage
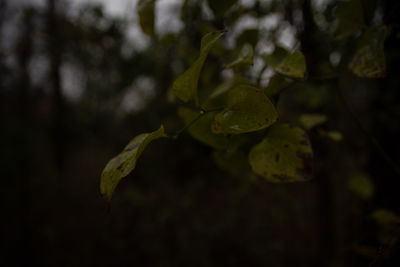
(77,83)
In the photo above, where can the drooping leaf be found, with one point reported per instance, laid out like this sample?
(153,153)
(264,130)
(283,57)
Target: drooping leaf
(201,128)
(350,18)
(309,121)
(220,7)
(247,110)
(369,60)
(244,58)
(185,86)
(361,185)
(125,162)
(288,64)
(146,16)
(284,155)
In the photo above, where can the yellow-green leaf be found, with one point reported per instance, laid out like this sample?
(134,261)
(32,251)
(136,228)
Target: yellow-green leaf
(228,85)
(361,184)
(309,121)
(385,217)
(247,110)
(146,16)
(244,58)
(294,65)
(284,155)
(286,63)
(125,162)
(333,135)
(369,60)
(185,86)
(201,128)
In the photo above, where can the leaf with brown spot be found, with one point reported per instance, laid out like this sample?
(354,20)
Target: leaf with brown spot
(125,162)
(369,60)
(284,155)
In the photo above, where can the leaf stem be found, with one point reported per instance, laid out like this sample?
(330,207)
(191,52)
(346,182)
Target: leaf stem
(202,112)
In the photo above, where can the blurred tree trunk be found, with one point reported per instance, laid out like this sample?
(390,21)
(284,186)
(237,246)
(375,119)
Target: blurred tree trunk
(24,55)
(58,104)
(323,178)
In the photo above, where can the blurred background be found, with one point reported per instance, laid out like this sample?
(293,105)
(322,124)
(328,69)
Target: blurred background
(79,79)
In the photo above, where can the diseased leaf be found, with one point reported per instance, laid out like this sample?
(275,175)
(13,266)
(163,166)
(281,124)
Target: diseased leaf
(309,121)
(201,128)
(245,58)
(285,155)
(146,16)
(185,86)
(288,64)
(247,110)
(369,60)
(350,18)
(125,162)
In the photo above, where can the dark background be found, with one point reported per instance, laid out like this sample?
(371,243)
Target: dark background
(74,89)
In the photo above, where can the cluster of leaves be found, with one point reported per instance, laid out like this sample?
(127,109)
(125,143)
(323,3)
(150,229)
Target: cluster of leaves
(238,119)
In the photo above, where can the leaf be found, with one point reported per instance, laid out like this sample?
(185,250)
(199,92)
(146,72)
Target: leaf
(350,18)
(125,162)
(201,128)
(288,64)
(333,135)
(309,121)
(245,58)
(385,217)
(361,185)
(228,85)
(146,16)
(369,60)
(294,65)
(284,155)
(185,86)
(247,110)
